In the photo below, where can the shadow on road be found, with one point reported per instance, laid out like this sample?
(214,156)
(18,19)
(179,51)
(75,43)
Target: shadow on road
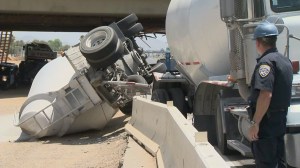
(20,91)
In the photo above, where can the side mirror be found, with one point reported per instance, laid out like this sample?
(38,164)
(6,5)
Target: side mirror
(241,9)
(227,9)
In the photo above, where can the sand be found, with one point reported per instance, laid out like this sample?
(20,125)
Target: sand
(103,148)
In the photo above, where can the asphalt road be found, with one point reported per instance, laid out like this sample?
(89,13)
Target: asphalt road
(238,161)
(235,160)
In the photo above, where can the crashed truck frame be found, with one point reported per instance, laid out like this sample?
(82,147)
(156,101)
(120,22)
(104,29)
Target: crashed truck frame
(84,89)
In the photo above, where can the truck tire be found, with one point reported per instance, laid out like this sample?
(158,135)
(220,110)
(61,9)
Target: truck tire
(127,22)
(204,110)
(99,43)
(109,59)
(134,30)
(160,95)
(127,109)
(177,96)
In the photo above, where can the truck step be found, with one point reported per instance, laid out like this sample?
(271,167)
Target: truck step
(239,146)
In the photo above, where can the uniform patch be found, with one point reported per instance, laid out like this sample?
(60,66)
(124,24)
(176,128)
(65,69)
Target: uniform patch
(264,70)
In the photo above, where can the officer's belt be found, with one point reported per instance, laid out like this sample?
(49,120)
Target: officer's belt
(272,110)
(276,110)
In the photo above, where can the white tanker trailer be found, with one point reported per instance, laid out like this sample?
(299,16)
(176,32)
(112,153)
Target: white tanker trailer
(211,39)
(84,89)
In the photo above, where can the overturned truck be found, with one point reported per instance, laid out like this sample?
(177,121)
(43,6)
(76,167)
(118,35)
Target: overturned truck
(86,87)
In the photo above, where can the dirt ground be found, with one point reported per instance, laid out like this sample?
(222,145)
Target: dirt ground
(88,149)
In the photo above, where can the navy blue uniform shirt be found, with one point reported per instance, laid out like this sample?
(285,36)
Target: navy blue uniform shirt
(274,73)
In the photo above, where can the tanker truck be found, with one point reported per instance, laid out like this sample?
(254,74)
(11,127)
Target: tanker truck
(212,39)
(85,88)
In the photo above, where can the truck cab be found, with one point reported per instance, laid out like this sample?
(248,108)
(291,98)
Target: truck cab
(285,15)
(213,39)
(36,55)
(34,50)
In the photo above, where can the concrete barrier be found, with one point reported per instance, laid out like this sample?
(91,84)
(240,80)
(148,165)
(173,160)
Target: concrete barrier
(175,142)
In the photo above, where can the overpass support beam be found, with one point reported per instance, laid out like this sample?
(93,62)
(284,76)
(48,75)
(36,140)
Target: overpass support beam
(79,15)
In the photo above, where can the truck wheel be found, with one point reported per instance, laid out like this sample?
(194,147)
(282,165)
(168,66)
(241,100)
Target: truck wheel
(99,43)
(221,137)
(176,94)
(127,109)
(134,30)
(206,123)
(109,59)
(160,95)
(127,22)
(204,110)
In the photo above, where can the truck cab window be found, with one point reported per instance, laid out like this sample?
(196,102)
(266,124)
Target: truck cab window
(285,5)
(259,8)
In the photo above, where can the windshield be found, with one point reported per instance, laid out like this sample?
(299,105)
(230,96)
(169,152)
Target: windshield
(285,5)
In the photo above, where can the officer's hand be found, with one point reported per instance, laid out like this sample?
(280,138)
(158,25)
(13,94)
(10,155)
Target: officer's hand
(231,79)
(253,132)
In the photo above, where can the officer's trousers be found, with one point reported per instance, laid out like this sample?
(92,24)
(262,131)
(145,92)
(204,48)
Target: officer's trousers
(269,152)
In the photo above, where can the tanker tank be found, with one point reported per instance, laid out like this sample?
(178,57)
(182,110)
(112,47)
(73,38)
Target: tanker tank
(58,105)
(201,45)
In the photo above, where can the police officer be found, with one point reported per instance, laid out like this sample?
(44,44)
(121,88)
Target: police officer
(269,99)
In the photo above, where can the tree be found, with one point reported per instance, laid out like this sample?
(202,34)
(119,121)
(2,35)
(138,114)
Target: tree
(65,47)
(16,47)
(39,41)
(10,50)
(19,43)
(55,44)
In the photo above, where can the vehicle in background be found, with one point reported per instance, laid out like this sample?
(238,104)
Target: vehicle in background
(208,48)
(8,71)
(36,55)
(8,75)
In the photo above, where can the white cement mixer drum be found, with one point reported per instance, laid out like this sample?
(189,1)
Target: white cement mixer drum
(197,37)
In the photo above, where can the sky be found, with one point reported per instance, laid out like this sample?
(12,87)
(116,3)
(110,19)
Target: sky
(72,38)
